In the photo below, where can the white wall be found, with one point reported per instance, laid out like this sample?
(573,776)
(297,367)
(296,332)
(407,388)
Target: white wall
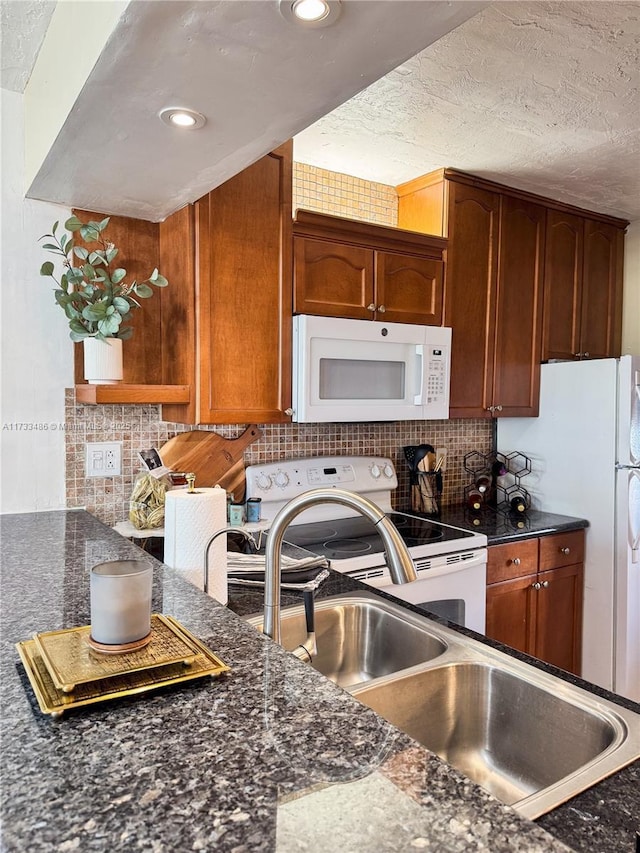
(631,304)
(37,353)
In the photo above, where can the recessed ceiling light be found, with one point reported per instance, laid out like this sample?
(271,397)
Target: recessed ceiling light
(183,118)
(310,13)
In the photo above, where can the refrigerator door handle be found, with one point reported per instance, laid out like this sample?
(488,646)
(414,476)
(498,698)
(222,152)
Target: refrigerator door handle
(627,467)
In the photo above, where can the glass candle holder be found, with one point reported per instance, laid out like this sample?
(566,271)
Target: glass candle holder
(121,601)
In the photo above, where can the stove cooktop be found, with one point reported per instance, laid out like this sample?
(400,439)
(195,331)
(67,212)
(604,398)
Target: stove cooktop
(349,538)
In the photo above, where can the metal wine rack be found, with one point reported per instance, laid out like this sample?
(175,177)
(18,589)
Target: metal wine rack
(517,465)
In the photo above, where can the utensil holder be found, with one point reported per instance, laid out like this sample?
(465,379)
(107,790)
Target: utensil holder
(426,493)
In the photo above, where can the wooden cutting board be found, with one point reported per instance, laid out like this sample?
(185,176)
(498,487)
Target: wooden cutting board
(214,460)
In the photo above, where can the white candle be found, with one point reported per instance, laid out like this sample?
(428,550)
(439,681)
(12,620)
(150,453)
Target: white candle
(121,601)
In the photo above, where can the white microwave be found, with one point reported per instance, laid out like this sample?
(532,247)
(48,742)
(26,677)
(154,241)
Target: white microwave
(361,370)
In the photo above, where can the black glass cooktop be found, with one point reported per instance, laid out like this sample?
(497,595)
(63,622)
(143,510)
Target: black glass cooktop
(346,538)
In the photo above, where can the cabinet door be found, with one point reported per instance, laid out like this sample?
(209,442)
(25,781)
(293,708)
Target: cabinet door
(558,617)
(243,288)
(509,607)
(562,285)
(408,288)
(470,295)
(516,383)
(601,315)
(333,279)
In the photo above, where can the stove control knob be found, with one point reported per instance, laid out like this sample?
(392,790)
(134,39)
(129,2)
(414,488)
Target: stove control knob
(263,482)
(281,479)
(375,472)
(388,471)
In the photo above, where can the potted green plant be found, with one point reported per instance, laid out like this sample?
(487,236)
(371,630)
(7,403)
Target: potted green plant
(94,295)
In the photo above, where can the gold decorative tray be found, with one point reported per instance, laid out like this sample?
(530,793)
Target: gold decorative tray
(129,680)
(71,660)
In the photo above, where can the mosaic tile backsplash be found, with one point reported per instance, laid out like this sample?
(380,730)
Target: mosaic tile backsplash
(141,427)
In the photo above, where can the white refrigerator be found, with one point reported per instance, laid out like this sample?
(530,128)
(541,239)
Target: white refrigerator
(585,459)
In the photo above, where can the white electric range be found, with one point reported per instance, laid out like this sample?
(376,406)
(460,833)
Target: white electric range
(450,562)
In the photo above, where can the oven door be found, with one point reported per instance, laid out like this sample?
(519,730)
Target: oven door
(453,587)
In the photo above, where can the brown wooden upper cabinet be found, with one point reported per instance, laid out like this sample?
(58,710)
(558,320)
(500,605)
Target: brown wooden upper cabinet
(493,290)
(346,268)
(582,287)
(519,268)
(227,314)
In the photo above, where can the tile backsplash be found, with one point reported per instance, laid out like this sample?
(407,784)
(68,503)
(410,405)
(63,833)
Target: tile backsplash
(142,427)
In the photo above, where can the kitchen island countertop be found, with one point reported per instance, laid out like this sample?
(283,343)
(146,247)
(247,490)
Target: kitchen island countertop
(271,756)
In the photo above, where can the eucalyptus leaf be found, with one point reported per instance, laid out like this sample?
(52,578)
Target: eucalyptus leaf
(76,326)
(47,268)
(89,234)
(78,337)
(104,223)
(111,253)
(64,282)
(73,224)
(160,281)
(118,275)
(55,227)
(143,291)
(81,252)
(51,246)
(95,311)
(108,326)
(121,304)
(88,272)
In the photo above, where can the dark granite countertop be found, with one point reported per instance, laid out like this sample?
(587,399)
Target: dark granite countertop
(500,527)
(272,756)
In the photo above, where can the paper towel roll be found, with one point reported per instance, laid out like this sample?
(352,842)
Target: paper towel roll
(190,519)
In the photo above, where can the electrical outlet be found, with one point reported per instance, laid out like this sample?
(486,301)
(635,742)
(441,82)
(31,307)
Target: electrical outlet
(103,459)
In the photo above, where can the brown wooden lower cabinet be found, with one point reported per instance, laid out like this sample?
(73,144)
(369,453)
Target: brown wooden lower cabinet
(534,597)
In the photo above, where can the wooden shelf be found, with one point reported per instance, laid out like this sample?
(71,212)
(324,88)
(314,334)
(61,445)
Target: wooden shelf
(120,393)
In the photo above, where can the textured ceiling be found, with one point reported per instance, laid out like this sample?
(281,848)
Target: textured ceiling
(540,95)
(258,78)
(23,24)
(543,96)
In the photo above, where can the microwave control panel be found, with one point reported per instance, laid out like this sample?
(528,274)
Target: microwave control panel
(437,375)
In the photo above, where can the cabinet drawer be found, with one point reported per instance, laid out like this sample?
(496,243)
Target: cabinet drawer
(512,560)
(561,549)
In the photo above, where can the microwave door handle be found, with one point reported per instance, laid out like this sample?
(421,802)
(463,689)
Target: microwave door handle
(417,400)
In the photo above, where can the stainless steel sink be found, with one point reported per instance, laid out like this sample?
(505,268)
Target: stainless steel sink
(527,737)
(509,734)
(358,641)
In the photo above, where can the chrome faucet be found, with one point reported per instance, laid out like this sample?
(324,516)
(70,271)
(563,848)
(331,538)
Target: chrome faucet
(398,558)
(222,530)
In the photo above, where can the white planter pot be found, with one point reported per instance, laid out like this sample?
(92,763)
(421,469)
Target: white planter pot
(102,361)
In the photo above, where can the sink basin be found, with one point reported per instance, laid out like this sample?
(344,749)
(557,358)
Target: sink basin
(503,731)
(529,738)
(358,641)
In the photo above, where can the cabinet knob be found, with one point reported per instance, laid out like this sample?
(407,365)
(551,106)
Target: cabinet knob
(565,551)
(498,408)
(545,584)
(381,309)
(491,408)
(536,585)
(586,354)
(371,307)
(288,412)
(516,561)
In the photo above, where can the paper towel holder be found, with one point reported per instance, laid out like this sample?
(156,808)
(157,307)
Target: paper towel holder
(248,536)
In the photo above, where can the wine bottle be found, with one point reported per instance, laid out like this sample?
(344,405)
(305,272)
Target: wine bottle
(518,502)
(475,499)
(498,469)
(483,484)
